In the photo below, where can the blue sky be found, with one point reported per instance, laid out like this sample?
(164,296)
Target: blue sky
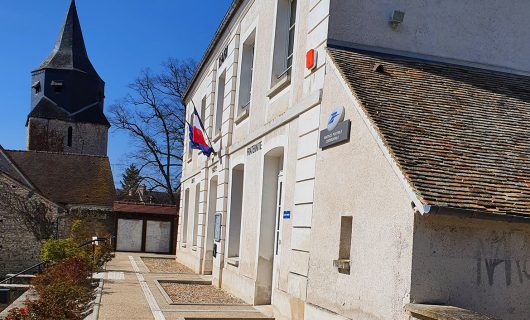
(122,38)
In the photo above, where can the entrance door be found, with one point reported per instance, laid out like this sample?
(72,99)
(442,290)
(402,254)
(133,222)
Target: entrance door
(158,236)
(278,231)
(129,236)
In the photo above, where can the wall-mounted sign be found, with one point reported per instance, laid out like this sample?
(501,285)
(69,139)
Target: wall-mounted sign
(217,227)
(336,116)
(337,130)
(254,148)
(287,214)
(223,56)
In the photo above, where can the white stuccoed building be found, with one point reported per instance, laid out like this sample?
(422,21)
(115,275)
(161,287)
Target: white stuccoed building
(417,195)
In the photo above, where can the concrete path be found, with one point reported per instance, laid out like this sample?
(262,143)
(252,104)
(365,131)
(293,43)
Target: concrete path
(130,291)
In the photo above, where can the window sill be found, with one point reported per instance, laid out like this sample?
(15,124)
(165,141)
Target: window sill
(343,265)
(242,116)
(217,137)
(189,159)
(234,261)
(280,85)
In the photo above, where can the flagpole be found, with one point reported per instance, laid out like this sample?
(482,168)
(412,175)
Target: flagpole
(206,133)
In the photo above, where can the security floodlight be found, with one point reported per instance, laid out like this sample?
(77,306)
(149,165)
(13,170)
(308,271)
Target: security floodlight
(396,19)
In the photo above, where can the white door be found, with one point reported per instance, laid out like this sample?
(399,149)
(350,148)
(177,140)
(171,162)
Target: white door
(278,233)
(158,236)
(129,236)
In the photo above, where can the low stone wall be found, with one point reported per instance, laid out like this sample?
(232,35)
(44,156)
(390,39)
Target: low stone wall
(434,312)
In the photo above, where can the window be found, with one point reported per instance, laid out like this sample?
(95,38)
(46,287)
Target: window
(185,209)
(57,86)
(70,131)
(247,70)
(220,104)
(196,214)
(345,244)
(188,136)
(203,111)
(37,87)
(236,209)
(284,41)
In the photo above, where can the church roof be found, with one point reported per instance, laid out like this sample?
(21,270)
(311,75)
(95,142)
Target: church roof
(459,135)
(8,167)
(68,179)
(47,109)
(70,51)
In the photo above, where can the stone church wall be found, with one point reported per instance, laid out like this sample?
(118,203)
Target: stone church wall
(52,135)
(19,248)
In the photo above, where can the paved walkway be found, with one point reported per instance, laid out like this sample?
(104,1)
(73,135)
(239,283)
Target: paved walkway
(130,292)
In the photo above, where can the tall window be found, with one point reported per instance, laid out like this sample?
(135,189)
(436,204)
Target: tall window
(185,209)
(187,138)
(70,133)
(203,111)
(247,70)
(220,104)
(284,40)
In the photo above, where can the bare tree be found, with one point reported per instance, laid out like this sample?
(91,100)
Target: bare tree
(154,116)
(27,209)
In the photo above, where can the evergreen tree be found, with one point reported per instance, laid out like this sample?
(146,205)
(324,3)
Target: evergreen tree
(130,179)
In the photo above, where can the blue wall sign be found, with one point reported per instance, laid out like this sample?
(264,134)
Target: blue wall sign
(287,214)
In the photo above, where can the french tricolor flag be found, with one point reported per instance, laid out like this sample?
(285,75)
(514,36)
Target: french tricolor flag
(198,135)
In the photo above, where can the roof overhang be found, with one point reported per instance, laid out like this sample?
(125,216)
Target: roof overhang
(230,14)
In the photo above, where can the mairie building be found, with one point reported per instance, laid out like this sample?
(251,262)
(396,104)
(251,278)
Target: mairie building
(373,159)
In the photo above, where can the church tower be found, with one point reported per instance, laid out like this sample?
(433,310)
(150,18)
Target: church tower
(67,98)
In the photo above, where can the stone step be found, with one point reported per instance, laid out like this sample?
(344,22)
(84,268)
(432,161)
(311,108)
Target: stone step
(20,279)
(21,275)
(15,286)
(215,312)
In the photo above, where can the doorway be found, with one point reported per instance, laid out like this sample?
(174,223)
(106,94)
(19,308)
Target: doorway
(269,246)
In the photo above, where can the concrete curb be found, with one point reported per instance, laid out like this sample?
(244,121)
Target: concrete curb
(97,302)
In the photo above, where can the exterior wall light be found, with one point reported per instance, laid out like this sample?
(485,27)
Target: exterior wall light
(396,19)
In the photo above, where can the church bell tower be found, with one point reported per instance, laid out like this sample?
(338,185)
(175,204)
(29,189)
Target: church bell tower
(67,98)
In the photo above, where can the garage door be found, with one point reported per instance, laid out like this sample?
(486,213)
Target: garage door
(129,235)
(158,236)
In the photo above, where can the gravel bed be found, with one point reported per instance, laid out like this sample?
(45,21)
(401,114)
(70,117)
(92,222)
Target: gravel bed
(183,293)
(159,265)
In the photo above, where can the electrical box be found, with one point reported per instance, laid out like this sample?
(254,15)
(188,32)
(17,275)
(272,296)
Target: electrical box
(5,296)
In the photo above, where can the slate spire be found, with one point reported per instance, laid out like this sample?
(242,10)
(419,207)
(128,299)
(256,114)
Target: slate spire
(70,51)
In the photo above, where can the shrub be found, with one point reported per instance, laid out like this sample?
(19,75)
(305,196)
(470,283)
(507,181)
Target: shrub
(18,314)
(64,290)
(54,251)
(74,271)
(62,301)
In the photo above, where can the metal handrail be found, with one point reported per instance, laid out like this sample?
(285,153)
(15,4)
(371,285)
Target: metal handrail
(84,244)
(38,265)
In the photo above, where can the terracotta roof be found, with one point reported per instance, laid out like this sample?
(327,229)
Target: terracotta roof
(461,136)
(68,179)
(137,207)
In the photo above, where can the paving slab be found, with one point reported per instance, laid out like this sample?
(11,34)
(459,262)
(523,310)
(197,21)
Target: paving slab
(123,299)
(130,291)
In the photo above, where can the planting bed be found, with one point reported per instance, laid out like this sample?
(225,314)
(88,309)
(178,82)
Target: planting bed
(197,293)
(165,265)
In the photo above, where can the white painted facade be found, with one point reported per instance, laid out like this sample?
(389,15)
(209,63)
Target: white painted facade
(273,141)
